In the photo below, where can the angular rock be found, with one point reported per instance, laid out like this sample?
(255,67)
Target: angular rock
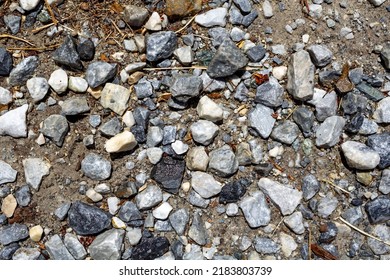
(244,154)
(62,211)
(382,112)
(353,103)
(74,246)
(197,231)
(55,127)
(5,96)
(329,132)
(181,8)
(326,206)
(211,85)
(270,93)
(217,35)
(267,9)
(143,89)
(9,205)
(150,248)
(115,97)
(330,234)
(154,136)
(111,128)
(197,159)
(214,17)
(384,185)
(256,54)
(353,215)
(383,233)
(326,106)
(108,245)
(135,16)
(169,173)
(204,132)
(7,252)
(235,16)
(261,120)
(13,233)
(130,214)
(370,92)
(185,87)
(134,235)
(7,174)
(57,250)
(310,187)
(154,22)
(288,244)
(248,19)
(320,55)
(34,170)
(162,211)
(12,22)
(223,161)
(77,84)
(58,81)
(160,45)
(149,197)
(6,62)
(385,55)
(13,123)
(255,210)
(23,196)
(205,184)
(233,191)
(209,110)
(86,50)
(154,154)
(304,118)
(121,142)
(295,222)
(99,73)
(285,198)
(66,55)
(285,133)
(381,143)
(74,106)
(96,167)
(179,220)
(38,88)
(184,55)
(266,246)
(360,156)
(378,210)
(23,71)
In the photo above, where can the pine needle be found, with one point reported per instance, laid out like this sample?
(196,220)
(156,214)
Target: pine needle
(15,38)
(335,186)
(185,26)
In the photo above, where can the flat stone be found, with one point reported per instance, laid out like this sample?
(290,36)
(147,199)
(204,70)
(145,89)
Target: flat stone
(285,132)
(96,167)
(38,88)
(62,211)
(320,55)
(300,76)
(150,248)
(285,198)
(197,159)
(130,214)
(255,210)
(326,206)
(26,254)
(66,55)
(57,250)
(381,143)
(75,106)
(34,171)
(135,16)
(329,132)
(85,219)
(13,123)
(214,17)
(304,118)
(55,127)
(209,110)
(310,187)
(353,215)
(6,62)
(99,73)
(370,92)
(160,45)
(111,128)
(223,161)
(185,87)
(270,93)
(383,233)
(86,50)
(261,120)
(9,205)
(115,97)
(205,184)
(382,112)
(74,246)
(8,174)
(326,106)
(23,196)
(58,81)
(204,132)
(360,156)
(295,222)
(378,210)
(233,191)
(195,199)
(169,173)
(197,231)
(23,71)
(108,245)
(121,142)
(179,220)
(13,233)
(211,85)
(384,185)
(266,246)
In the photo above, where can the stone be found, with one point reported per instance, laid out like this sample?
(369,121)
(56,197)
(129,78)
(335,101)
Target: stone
(385,56)
(154,136)
(62,211)
(75,106)
(360,156)
(34,171)
(368,127)
(304,118)
(214,17)
(320,55)
(77,84)
(233,191)
(261,120)
(13,123)
(150,248)
(179,147)
(310,187)
(36,233)
(184,55)
(255,210)
(74,246)
(270,93)
(149,197)
(235,16)
(381,143)
(286,132)
(169,173)
(143,89)
(384,185)
(237,34)
(5,96)
(27,254)
(93,195)
(13,233)
(211,85)
(85,219)
(353,215)
(179,220)
(197,231)
(370,92)
(329,234)
(38,88)
(13,23)
(326,106)
(86,50)
(180,8)
(197,159)
(7,174)
(134,235)
(285,198)
(162,211)
(108,245)
(256,150)
(244,5)
(154,22)
(6,62)
(300,76)
(205,184)
(266,246)
(204,132)
(383,233)
(128,119)
(99,73)
(111,128)
(326,206)
(130,214)
(217,35)
(23,71)
(160,45)
(135,16)
(58,81)
(122,142)
(130,46)
(154,154)
(96,167)
(244,154)
(232,209)
(9,205)
(241,93)
(329,132)
(185,87)
(377,3)
(207,109)
(66,55)
(23,196)
(55,127)
(267,9)
(378,210)
(353,103)
(287,243)
(279,72)
(295,222)
(28,5)
(226,61)
(223,162)
(8,251)
(382,112)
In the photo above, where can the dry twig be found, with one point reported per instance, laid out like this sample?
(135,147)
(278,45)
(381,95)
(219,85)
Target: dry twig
(185,26)
(335,186)
(53,18)
(15,38)
(33,49)
(42,28)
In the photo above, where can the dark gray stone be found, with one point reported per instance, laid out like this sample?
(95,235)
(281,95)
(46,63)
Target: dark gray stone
(23,196)
(235,16)
(356,122)
(310,187)
(241,93)
(6,62)
(286,132)
(249,18)
(86,50)
(353,215)
(304,118)
(218,35)
(96,167)
(111,128)
(55,127)
(143,89)
(7,252)
(13,233)
(13,23)
(150,248)
(160,45)
(85,219)
(179,220)
(169,134)
(381,143)
(130,214)
(256,54)
(233,191)
(23,71)
(66,55)
(185,87)
(353,102)
(139,133)
(378,210)
(270,93)
(329,234)
(141,117)
(74,106)
(99,73)
(244,5)
(355,75)
(197,231)
(385,54)
(370,92)
(169,173)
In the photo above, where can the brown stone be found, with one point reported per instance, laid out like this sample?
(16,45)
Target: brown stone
(182,8)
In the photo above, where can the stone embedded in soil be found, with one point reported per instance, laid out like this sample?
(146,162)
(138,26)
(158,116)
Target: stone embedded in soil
(233,191)
(6,62)
(7,174)
(57,250)
(195,199)
(62,211)
(255,210)
(266,246)
(304,118)
(23,195)
(99,73)
(205,184)
(55,127)
(261,120)
(320,55)
(143,89)
(8,251)
(329,132)
(270,93)
(160,45)
(360,156)
(86,50)
(204,132)
(108,245)
(169,173)
(179,220)
(326,206)
(85,219)
(38,88)
(135,16)
(58,81)
(286,132)
(382,112)
(310,187)
(121,142)
(197,159)
(66,55)
(34,171)
(130,214)
(96,167)
(115,97)
(74,106)
(300,76)
(9,205)
(226,61)
(209,110)
(288,244)
(385,56)
(377,3)
(197,231)
(13,233)
(378,210)
(184,55)
(218,35)
(181,8)
(267,9)
(149,197)
(381,143)
(150,248)
(295,222)
(111,128)
(214,17)
(285,198)
(383,233)
(74,246)
(13,123)
(185,87)
(223,161)
(23,71)
(384,185)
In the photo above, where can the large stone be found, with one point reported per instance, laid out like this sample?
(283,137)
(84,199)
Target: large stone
(214,17)
(261,120)
(13,123)
(121,142)
(85,219)
(181,8)
(86,50)
(256,210)
(115,97)
(329,132)
(57,250)
(13,233)
(150,248)
(67,55)
(169,173)
(38,88)
(75,106)
(286,132)
(378,210)
(197,159)
(7,173)
(55,127)
(223,162)
(226,61)
(205,184)
(270,93)
(300,76)
(382,112)
(381,143)
(23,71)
(135,16)
(185,87)
(34,170)
(149,197)
(74,246)
(320,55)
(285,198)
(204,132)
(99,73)
(96,167)
(360,156)
(108,245)
(6,62)
(160,45)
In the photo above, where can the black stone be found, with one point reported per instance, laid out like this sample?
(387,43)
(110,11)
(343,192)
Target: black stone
(177,249)
(8,251)
(150,248)
(378,210)
(330,234)
(139,133)
(381,144)
(130,214)
(141,116)
(6,62)
(353,102)
(356,201)
(66,55)
(85,219)
(169,173)
(23,196)
(304,118)
(354,125)
(86,50)
(256,54)
(233,191)
(264,169)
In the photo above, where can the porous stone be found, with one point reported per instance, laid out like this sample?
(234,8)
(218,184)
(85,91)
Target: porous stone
(205,184)
(223,162)
(360,156)
(255,210)
(96,167)
(115,97)
(329,132)
(34,171)
(13,123)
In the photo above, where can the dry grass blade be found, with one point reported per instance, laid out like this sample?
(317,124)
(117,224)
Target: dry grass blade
(277,226)
(185,26)
(15,38)
(335,186)
(42,28)
(34,49)
(321,252)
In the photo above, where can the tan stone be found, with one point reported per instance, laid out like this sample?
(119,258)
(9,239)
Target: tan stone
(182,8)
(36,233)
(121,142)
(9,205)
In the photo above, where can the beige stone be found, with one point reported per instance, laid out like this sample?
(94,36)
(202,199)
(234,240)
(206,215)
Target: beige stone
(121,142)
(36,233)
(9,205)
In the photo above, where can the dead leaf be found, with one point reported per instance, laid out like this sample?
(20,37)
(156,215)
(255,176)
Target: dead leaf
(321,252)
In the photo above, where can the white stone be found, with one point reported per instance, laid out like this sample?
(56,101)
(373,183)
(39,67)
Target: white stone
(204,132)
(59,81)
(267,9)
(122,142)
(7,173)
(162,212)
(134,235)
(9,205)
(36,233)
(154,154)
(130,45)
(34,170)
(28,5)
(113,205)
(179,147)
(128,119)
(288,244)
(93,195)
(118,223)
(37,87)
(205,184)
(360,156)
(214,17)
(13,123)
(279,72)
(382,112)
(154,23)
(5,96)
(184,55)
(209,110)
(103,188)
(78,84)
(115,97)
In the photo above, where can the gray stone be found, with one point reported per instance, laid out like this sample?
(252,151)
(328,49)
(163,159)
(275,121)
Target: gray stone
(381,144)
(160,45)
(244,154)
(270,93)
(360,156)
(7,173)
(267,9)
(34,170)
(143,89)
(353,215)
(257,151)
(241,93)
(211,85)
(185,87)
(99,73)
(6,62)
(162,226)
(256,54)
(184,55)
(244,5)
(310,187)
(320,55)
(26,254)
(261,120)
(304,118)
(57,250)
(383,233)
(96,167)
(154,136)
(169,134)
(382,112)
(38,88)
(295,222)
(179,220)
(255,210)
(288,244)
(385,55)
(55,127)
(95,120)
(108,245)
(130,214)
(111,128)
(23,71)
(115,97)
(209,110)
(13,123)
(284,197)
(236,34)
(74,246)
(86,50)
(23,196)
(355,75)
(384,185)
(329,132)
(195,199)
(134,235)
(326,106)
(13,233)
(235,16)
(149,197)
(135,16)
(13,23)
(377,3)
(300,76)
(204,132)
(352,103)
(214,17)
(369,91)
(218,35)
(197,231)
(74,106)
(67,55)
(266,246)
(205,184)
(378,210)
(285,133)
(368,127)
(326,206)
(223,162)
(62,211)
(154,154)
(5,96)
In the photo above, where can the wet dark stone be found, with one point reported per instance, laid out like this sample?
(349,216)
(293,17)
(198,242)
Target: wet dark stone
(86,50)
(150,248)
(233,191)
(169,173)
(8,251)
(378,210)
(330,234)
(381,144)
(85,219)
(66,55)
